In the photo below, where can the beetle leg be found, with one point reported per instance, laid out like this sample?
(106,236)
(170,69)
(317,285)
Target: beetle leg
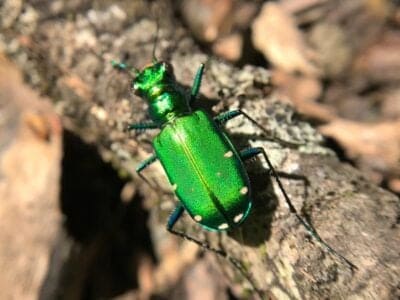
(251,152)
(125,68)
(224,117)
(143,165)
(176,215)
(142,126)
(196,83)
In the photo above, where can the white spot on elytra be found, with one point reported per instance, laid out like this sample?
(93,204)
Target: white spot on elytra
(238,218)
(223,226)
(244,190)
(198,218)
(174,187)
(228,154)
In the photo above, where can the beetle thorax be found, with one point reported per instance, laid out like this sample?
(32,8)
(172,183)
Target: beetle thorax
(157,85)
(167,106)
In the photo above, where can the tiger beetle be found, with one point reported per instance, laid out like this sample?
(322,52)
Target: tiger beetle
(205,170)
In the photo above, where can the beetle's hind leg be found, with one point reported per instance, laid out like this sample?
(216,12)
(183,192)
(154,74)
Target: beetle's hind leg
(251,152)
(224,117)
(176,215)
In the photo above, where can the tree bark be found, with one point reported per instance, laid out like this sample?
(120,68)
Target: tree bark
(67,56)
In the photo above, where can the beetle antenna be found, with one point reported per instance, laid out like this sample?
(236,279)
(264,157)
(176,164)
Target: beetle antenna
(154,58)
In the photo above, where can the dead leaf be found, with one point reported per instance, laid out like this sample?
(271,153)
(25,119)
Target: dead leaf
(303,92)
(380,62)
(276,35)
(229,47)
(394,185)
(334,53)
(78,86)
(207,18)
(376,147)
(391,104)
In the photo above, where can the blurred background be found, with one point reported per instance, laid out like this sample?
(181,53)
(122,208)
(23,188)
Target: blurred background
(72,222)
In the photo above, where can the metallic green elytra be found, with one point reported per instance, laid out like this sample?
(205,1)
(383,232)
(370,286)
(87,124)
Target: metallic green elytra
(205,170)
(203,167)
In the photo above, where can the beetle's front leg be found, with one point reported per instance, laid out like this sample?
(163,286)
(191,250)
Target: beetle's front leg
(196,83)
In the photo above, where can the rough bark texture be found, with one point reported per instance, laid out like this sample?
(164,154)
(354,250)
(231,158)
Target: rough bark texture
(28,187)
(66,55)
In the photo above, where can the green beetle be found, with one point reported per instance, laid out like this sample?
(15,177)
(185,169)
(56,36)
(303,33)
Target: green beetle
(204,168)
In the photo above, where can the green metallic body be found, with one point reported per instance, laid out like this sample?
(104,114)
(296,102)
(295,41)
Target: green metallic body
(203,167)
(205,171)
